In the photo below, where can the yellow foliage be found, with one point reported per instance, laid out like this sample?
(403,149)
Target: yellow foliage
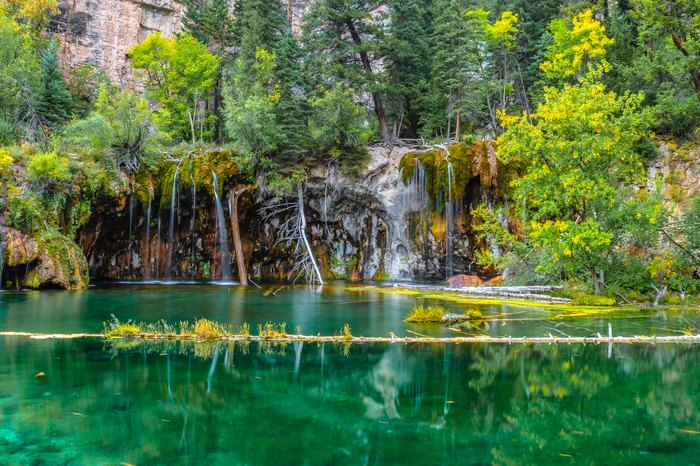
(503,30)
(35,12)
(576,44)
(6,160)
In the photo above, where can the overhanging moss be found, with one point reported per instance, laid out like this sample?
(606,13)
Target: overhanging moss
(468,162)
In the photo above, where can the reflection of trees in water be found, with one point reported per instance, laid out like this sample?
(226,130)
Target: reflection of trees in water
(182,402)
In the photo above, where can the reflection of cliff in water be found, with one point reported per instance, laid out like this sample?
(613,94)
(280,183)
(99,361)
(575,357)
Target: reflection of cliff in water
(333,404)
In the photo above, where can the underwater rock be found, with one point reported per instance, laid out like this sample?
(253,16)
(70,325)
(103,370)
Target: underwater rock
(8,437)
(460,281)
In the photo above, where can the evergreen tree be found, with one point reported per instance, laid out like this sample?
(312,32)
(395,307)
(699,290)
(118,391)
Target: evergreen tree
(55,101)
(293,107)
(343,39)
(408,62)
(211,22)
(261,26)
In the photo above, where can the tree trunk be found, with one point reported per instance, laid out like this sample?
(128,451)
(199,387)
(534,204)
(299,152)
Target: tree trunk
(458,126)
(302,231)
(594,277)
(378,107)
(694,73)
(233,197)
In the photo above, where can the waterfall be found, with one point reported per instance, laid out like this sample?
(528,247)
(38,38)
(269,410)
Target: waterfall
(131,230)
(416,193)
(221,233)
(194,220)
(449,221)
(147,257)
(157,261)
(2,257)
(171,227)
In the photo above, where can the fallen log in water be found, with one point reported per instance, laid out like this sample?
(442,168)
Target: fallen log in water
(390,339)
(534,293)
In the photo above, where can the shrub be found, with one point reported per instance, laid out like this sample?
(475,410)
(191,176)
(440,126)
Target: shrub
(48,171)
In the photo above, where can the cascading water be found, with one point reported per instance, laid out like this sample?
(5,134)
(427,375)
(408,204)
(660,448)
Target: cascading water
(221,233)
(2,256)
(131,231)
(158,248)
(147,257)
(194,219)
(449,220)
(415,198)
(171,227)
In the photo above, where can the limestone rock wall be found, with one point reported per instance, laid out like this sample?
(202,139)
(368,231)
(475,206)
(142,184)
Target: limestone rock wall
(100,32)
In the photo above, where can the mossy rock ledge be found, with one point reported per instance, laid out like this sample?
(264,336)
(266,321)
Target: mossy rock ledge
(44,261)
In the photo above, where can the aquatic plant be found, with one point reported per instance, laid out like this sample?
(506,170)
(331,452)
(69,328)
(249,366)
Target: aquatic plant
(272,330)
(436,314)
(347,333)
(115,328)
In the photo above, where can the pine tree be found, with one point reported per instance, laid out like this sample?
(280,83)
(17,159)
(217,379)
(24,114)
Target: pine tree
(344,40)
(262,24)
(408,61)
(211,22)
(292,107)
(55,101)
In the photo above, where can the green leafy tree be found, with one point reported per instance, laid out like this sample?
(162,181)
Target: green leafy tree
(19,83)
(120,131)
(250,107)
(580,149)
(179,74)
(337,124)
(343,39)
(677,22)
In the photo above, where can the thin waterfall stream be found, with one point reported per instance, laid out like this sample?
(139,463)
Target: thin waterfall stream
(193,222)
(221,232)
(171,226)
(147,257)
(131,231)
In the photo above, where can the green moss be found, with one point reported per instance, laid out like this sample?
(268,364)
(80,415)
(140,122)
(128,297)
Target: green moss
(468,161)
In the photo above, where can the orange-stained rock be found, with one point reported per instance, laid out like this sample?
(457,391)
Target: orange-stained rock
(459,281)
(497,280)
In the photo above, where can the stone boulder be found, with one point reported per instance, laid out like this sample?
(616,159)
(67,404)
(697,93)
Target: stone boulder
(495,281)
(55,261)
(459,281)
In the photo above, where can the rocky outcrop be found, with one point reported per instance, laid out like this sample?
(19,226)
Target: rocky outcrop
(676,169)
(54,262)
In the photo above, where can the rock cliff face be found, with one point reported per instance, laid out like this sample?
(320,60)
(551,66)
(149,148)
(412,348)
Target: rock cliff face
(100,32)
(358,226)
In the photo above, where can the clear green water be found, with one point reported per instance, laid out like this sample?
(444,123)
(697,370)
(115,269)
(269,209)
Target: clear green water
(331,405)
(208,403)
(315,310)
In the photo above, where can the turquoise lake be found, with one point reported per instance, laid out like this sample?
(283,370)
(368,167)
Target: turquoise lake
(86,401)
